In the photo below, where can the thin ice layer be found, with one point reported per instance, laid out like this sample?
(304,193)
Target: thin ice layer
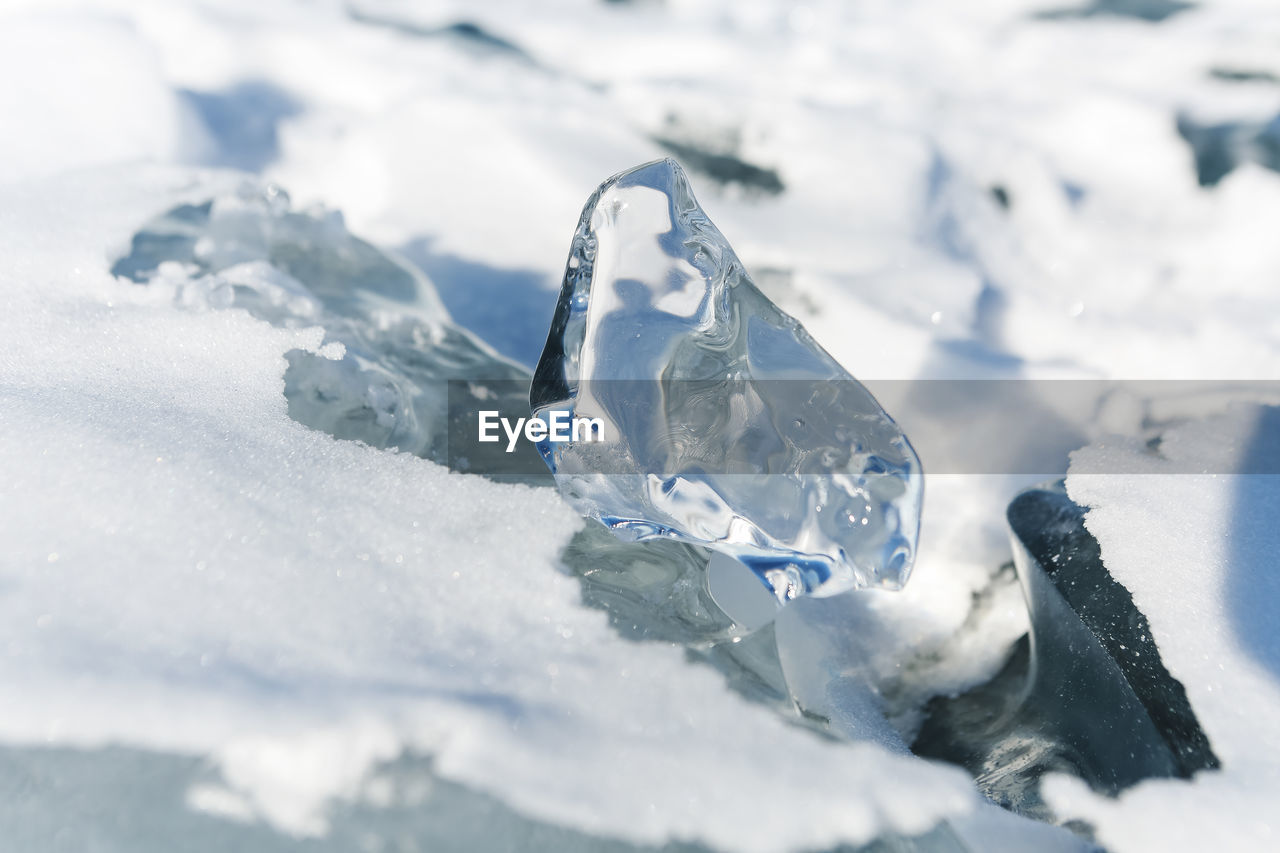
(722,421)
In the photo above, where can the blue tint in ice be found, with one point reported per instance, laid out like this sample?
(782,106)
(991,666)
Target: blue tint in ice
(724,422)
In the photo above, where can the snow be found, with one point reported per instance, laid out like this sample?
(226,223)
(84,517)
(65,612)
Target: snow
(187,571)
(51,125)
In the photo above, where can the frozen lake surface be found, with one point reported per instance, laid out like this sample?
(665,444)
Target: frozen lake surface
(242,604)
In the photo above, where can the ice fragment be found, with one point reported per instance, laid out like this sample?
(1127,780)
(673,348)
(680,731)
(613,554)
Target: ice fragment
(724,423)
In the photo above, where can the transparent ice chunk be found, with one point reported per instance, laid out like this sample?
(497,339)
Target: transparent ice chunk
(251,249)
(721,421)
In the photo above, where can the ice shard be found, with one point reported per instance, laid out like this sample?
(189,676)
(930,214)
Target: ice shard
(1085,694)
(409,373)
(719,420)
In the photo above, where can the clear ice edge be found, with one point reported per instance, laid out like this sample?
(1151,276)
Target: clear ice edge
(725,424)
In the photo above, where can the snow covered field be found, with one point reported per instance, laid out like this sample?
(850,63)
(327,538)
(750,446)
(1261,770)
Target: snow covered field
(225,624)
